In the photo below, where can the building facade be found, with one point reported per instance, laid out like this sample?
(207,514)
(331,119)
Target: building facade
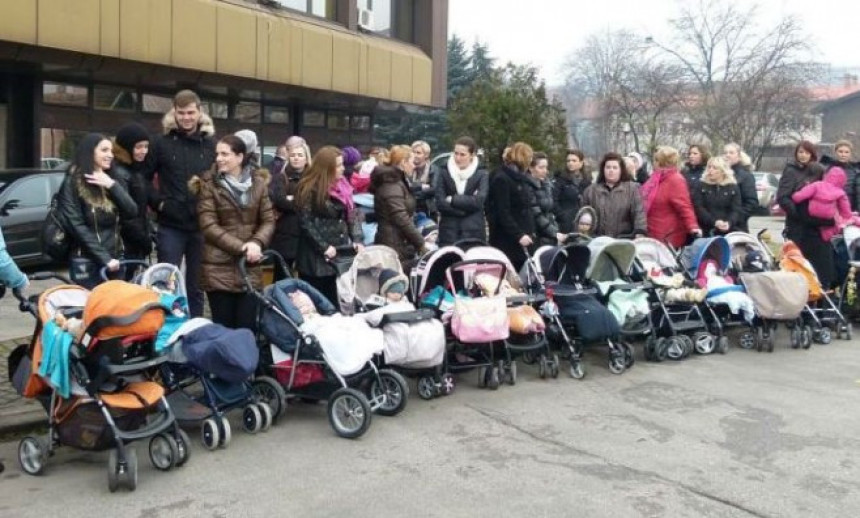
(316,68)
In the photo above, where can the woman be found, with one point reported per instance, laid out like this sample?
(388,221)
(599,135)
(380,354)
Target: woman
(130,148)
(800,227)
(282,192)
(512,225)
(570,183)
(614,196)
(394,205)
(844,150)
(92,200)
(717,198)
(545,225)
(461,188)
(668,208)
(740,163)
(328,219)
(698,156)
(236,219)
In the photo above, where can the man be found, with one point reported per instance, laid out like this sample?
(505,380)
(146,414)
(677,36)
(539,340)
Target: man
(421,180)
(280,159)
(185,149)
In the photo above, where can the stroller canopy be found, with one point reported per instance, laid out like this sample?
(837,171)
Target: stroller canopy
(610,258)
(705,248)
(649,250)
(362,279)
(563,265)
(430,271)
(488,252)
(164,278)
(742,243)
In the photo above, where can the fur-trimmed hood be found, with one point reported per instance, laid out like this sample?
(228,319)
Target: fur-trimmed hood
(195,184)
(728,178)
(206,126)
(121,155)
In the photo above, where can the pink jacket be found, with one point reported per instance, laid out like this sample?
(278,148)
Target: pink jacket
(827,200)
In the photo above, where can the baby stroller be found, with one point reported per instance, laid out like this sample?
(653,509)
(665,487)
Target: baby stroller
(527,327)
(415,340)
(848,248)
(210,367)
(575,315)
(90,364)
(680,326)
(434,281)
(707,261)
(323,355)
(777,296)
(821,313)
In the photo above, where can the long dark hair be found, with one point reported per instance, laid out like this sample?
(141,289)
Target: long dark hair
(83,164)
(626,176)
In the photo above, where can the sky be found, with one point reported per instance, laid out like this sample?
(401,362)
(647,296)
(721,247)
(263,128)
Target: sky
(545,32)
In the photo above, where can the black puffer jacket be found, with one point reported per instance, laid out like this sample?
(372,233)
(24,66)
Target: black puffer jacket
(282,191)
(176,157)
(136,231)
(852,175)
(92,219)
(542,205)
(509,212)
(463,216)
(749,196)
(693,173)
(567,194)
(717,202)
(321,228)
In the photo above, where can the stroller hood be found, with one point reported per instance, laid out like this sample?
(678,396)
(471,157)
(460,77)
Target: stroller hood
(361,281)
(430,270)
(164,278)
(715,248)
(610,258)
(650,250)
(742,243)
(229,354)
(494,254)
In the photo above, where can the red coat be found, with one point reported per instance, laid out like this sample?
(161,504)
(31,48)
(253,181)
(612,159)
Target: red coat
(671,217)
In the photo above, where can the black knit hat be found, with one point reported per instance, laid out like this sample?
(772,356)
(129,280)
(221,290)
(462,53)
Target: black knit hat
(392,279)
(130,134)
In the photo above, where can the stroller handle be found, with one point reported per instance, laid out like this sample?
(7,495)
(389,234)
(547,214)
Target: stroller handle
(103,272)
(29,305)
(503,270)
(269,256)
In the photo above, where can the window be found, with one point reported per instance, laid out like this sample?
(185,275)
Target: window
(360,122)
(313,119)
(64,94)
(338,121)
(379,21)
(276,115)
(30,192)
(156,103)
(215,109)
(114,98)
(247,112)
(321,8)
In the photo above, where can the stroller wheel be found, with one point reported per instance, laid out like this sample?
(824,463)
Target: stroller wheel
(543,367)
(427,387)
(349,413)
(267,390)
(747,340)
(493,380)
(629,360)
(661,350)
(252,419)
(130,473)
(183,445)
(483,376)
(825,336)
(113,471)
(553,367)
(447,384)
(761,338)
(806,337)
(577,371)
(266,414)
(210,434)
(849,331)
(705,342)
(796,338)
(675,348)
(617,365)
(689,346)
(649,348)
(163,452)
(512,373)
(723,344)
(392,390)
(33,455)
(120,473)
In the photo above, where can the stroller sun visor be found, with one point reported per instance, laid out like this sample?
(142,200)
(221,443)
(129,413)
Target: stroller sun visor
(610,258)
(164,278)
(59,298)
(432,273)
(494,254)
(649,250)
(362,279)
(702,249)
(742,243)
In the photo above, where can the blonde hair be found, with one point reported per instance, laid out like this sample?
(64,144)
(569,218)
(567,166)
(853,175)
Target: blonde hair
(666,156)
(743,158)
(521,155)
(843,143)
(423,145)
(721,164)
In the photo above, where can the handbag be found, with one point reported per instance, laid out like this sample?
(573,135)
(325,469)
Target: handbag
(480,320)
(56,242)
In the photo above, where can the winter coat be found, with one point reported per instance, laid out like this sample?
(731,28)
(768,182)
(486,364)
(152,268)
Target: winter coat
(717,202)
(800,226)
(749,196)
(394,207)
(321,228)
(827,200)
(226,227)
(94,220)
(567,193)
(509,212)
(10,275)
(545,224)
(619,209)
(136,231)
(425,198)
(693,174)
(671,217)
(852,180)
(463,217)
(176,157)
(282,191)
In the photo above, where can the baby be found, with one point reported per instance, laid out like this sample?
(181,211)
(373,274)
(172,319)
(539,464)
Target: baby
(827,200)
(392,286)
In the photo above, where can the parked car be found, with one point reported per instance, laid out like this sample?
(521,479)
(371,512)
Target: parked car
(765,186)
(25,196)
(54,163)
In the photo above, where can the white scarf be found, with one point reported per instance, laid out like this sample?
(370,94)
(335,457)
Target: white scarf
(461,176)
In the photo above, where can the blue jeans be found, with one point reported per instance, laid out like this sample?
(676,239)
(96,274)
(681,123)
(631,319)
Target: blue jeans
(173,244)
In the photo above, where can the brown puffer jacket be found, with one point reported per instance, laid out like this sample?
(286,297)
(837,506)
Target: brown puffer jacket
(226,227)
(619,210)
(394,207)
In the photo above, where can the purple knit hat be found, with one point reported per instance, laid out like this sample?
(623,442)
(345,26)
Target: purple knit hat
(351,157)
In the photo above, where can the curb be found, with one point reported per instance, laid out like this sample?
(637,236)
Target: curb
(22,420)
